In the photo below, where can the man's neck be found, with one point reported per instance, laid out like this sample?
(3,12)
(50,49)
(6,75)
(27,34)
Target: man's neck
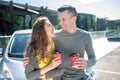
(72,30)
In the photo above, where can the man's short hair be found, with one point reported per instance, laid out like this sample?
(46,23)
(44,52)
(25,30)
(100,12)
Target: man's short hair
(68,8)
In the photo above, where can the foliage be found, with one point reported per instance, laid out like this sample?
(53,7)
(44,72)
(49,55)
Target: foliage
(85,21)
(18,22)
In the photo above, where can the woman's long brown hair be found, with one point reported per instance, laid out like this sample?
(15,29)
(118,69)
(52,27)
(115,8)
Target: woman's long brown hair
(39,38)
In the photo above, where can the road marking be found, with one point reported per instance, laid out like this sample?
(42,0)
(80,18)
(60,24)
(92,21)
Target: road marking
(105,71)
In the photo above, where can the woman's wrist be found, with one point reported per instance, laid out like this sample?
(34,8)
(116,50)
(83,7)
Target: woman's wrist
(45,70)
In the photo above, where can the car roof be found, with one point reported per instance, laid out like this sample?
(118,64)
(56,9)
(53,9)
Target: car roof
(28,31)
(23,31)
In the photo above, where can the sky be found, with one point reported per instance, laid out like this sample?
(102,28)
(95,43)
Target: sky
(100,8)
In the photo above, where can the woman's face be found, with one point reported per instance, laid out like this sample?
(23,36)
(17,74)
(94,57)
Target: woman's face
(49,29)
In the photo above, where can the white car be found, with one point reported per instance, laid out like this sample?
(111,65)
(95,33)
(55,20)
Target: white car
(11,65)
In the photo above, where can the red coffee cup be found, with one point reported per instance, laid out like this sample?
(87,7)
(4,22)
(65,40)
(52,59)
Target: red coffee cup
(73,58)
(57,54)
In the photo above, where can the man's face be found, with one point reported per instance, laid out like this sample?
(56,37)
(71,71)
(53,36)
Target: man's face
(66,20)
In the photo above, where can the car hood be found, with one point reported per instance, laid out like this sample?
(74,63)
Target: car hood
(15,66)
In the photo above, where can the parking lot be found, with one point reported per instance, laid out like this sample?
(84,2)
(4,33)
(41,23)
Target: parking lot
(108,67)
(108,55)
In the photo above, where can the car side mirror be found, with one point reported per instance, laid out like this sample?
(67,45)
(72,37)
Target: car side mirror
(1,52)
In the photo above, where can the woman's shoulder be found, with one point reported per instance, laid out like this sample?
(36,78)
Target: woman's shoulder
(30,51)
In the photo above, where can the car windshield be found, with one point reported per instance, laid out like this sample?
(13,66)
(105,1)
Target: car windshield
(18,45)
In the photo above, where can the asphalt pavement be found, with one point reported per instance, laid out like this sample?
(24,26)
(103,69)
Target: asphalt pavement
(108,67)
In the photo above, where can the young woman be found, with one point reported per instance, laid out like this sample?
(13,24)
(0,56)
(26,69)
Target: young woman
(40,49)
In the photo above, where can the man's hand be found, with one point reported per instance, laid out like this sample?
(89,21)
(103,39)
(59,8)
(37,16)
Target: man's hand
(81,63)
(26,61)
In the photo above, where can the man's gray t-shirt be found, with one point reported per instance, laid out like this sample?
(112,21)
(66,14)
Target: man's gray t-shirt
(77,42)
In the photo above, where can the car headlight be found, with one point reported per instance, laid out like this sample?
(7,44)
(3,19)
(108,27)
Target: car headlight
(6,74)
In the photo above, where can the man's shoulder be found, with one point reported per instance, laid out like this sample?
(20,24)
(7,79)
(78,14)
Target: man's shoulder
(81,31)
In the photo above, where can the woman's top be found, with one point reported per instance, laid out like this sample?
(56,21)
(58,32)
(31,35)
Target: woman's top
(46,61)
(32,70)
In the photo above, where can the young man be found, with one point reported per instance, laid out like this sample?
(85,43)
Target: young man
(72,40)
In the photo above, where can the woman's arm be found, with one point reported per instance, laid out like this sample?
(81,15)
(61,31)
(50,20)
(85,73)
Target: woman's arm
(32,70)
(54,64)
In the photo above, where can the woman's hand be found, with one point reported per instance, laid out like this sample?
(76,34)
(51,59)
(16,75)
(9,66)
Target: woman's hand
(55,63)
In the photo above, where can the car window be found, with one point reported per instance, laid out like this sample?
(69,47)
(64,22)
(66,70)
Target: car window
(18,45)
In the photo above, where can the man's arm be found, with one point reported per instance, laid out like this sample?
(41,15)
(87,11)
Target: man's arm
(81,63)
(90,52)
